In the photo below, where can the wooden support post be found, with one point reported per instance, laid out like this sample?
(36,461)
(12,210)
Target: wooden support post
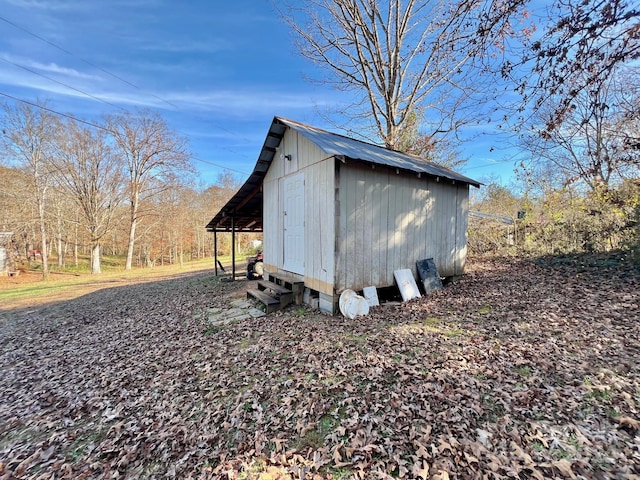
(215,251)
(233,248)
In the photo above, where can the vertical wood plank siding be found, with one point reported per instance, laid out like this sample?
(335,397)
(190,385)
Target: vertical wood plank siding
(319,209)
(362,223)
(388,221)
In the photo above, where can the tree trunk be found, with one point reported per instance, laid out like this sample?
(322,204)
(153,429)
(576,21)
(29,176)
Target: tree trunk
(147,257)
(59,248)
(43,237)
(95,259)
(75,246)
(58,241)
(132,239)
(132,226)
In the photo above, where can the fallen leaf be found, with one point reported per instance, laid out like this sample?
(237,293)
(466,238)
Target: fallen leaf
(629,422)
(564,467)
(441,475)
(420,469)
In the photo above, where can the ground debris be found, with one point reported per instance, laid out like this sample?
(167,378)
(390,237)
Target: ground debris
(522,369)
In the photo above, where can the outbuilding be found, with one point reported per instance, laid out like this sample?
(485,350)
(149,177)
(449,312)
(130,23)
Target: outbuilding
(338,213)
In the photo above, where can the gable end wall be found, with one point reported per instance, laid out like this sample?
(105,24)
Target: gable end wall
(319,240)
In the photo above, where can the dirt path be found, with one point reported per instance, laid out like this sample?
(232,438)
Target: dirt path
(67,286)
(523,369)
(116,295)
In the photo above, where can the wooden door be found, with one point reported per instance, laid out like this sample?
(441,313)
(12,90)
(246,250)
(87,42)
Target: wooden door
(293,211)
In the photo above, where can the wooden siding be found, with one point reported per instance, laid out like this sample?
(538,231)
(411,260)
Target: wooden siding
(320,226)
(272,237)
(387,221)
(362,223)
(319,210)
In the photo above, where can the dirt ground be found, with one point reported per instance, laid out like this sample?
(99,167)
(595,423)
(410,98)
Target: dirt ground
(66,286)
(523,369)
(34,279)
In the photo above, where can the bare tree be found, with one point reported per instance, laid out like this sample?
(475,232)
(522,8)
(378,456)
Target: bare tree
(92,174)
(155,158)
(28,136)
(416,142)
(594,142)
(586,41)
(402,58)
(627,122)
(14,203)
(61,214)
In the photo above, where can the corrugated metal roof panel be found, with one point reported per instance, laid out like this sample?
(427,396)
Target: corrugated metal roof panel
(491,216)
(335,144)
(245,207)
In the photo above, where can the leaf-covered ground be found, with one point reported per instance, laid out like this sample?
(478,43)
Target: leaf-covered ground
(523,369)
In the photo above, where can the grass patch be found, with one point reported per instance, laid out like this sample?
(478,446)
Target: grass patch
(600,395)
(212,330)
(37,289)
(72,282)
(447,332)
(492,408)
(339,473)
(430,325)
(357,339)
(435,325)
(314,438)
(82,446)
(561,454)
(524,371)
(538,446)
(253,470)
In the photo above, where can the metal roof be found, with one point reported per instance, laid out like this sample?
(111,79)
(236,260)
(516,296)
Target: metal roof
(243,212)
(491,216)
(339,145)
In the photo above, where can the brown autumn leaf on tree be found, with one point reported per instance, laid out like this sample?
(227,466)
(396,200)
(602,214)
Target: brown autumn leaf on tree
(524,368)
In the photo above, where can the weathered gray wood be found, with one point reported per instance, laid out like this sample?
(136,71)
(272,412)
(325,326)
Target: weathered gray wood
(408,218)
(462,228)
(290,282)
(283,294)
(270,303)
(293,197)
(362,223)
(320,225)
(267,285)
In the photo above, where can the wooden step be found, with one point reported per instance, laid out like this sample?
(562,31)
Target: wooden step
(295,284)
(282,293)
(271,304)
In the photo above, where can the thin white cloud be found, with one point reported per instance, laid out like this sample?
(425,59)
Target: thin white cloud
(50,67)
(240,103)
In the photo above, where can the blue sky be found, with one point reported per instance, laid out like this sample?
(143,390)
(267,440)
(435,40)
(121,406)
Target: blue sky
(216,71)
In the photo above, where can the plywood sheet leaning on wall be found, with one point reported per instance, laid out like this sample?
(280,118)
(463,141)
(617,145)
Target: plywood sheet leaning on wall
(406,284)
